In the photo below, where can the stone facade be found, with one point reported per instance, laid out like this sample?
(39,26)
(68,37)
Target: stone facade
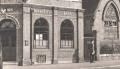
(56,15)
(14,12)
(25,16)
(99,18)
(96,23)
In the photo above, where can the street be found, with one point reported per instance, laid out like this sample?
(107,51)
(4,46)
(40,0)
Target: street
(55,67)
(104,67)
(84,65)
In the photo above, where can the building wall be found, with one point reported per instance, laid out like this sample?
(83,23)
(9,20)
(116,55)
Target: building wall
(47,14)
(10,1)
(55,12)
(98,26)
(66,54)
(14,12)
(57,3)
(60,14)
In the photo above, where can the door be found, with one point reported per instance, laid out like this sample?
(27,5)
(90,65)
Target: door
(8,39)
(87,43)
(9,45)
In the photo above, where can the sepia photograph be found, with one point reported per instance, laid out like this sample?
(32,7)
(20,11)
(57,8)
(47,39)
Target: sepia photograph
(59,34)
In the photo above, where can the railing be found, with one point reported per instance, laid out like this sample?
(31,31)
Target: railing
(66,44)
(41,43)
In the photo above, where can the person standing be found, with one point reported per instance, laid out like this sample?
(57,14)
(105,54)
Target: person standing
(92,51)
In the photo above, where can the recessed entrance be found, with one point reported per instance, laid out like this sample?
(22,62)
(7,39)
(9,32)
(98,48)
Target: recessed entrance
(8,39)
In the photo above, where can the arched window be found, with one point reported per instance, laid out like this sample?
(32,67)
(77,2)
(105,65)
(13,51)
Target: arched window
(111,23)
(67,34)
(111,31)
(41,33)
(7,24)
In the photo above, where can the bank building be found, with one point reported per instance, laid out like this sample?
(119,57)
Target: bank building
(58,31)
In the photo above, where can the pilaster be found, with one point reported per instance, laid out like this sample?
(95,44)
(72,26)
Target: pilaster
(81,35)
(26,37)
(55,36)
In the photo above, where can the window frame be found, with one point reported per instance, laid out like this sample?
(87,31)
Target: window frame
(45,27)
(110,22)
(62,27)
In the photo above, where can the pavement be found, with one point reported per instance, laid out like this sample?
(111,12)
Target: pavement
(83,65)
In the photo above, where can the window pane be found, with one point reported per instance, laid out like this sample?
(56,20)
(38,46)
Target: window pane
(37,36)
(67,32)
(111,23)
(41,31)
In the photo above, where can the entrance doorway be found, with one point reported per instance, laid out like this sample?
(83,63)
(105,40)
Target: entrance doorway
(8,39)
(87,43)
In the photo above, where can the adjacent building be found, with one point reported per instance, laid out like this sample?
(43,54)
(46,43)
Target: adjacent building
(101,23)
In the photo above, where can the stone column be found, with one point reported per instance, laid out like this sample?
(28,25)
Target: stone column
(98,47)
(19,44)
(55,36)
(26,36)
(81,35)
(119,29)
(99,34)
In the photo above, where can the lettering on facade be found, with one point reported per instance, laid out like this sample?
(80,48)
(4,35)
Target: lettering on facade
(66,13)
(43,11)
(4,10)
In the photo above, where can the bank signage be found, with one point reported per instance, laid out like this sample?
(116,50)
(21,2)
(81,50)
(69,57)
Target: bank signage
(4,10)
